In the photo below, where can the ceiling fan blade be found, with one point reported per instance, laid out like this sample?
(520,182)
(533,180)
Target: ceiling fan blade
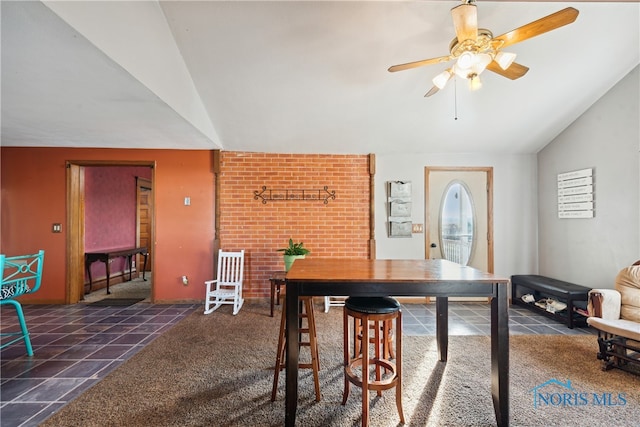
(465,22)
(515,70)
(535,28)
(421,63)
(432,91)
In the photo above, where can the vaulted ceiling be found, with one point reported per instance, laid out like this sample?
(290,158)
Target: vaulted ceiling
(296,76)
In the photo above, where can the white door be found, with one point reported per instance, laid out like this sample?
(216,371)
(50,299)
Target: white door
(471,190)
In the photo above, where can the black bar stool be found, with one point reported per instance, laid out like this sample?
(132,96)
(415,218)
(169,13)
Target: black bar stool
(378,311)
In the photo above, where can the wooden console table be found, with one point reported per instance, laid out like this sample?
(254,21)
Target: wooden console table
(436,278)
(107,255)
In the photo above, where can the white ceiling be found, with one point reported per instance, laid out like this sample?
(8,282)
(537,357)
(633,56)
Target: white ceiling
(296,76)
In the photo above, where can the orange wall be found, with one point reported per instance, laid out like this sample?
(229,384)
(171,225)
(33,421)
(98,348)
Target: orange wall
(339,228)
(33,184)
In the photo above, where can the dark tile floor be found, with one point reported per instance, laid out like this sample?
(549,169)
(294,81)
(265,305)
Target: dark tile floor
(76,346)
(474,318)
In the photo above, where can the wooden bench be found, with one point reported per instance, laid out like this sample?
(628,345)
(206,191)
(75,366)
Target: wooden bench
(545,287)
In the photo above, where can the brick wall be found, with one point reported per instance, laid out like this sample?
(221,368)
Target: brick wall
(339,228)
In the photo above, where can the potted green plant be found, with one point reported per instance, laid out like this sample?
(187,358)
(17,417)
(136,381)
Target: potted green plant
(293,252)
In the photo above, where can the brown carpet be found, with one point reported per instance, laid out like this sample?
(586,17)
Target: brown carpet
(217,370)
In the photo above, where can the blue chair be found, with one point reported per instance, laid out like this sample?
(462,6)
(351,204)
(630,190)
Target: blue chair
(21,275)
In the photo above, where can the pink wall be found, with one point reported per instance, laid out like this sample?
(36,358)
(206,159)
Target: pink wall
(110,211)
(33,182)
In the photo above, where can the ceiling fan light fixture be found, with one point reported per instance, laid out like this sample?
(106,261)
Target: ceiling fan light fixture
(474,82)
(474,49)
(440,81)
(481,62)
(470,64)
(466,60)
(463,73)
(505,59)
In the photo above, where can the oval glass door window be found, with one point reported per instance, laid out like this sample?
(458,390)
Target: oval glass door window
(457,223)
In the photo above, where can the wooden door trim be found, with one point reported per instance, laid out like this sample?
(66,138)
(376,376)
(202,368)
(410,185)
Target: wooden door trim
(140,183)
(75,233)
(489,171)
(372,206)
(217,170)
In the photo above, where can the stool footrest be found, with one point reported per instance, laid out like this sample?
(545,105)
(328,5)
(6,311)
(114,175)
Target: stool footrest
(382,384)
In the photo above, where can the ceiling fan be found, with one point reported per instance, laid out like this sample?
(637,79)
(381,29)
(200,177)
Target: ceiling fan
(475,49)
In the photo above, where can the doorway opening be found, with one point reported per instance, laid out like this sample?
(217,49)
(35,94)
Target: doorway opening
(459,216)
(109,205)
(475,203)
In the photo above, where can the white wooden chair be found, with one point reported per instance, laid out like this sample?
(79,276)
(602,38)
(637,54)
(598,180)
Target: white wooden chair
(227,287)
(331,301)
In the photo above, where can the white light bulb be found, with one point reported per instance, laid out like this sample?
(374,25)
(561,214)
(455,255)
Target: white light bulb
(466,60)
(482,60)
(505,59)
(474,82)
(440,81)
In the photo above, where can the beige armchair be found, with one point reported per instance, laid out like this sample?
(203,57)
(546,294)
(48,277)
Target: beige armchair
(615,313)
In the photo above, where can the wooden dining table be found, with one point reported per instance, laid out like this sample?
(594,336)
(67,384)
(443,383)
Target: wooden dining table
(432,278)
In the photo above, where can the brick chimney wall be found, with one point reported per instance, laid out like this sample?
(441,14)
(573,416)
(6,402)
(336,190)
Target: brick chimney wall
(339,228)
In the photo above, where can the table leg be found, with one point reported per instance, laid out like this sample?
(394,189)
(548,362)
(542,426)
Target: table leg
(500,355)
(130,266)
(107,264)
(291,398)
(273,291)
(144,266)
(442,327)
(88,268)
(278,293)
